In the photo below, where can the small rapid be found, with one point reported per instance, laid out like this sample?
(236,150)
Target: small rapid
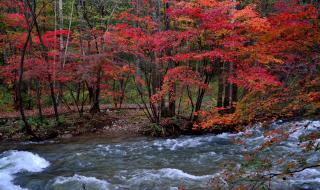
(80,182)
(147,163)
(13,162)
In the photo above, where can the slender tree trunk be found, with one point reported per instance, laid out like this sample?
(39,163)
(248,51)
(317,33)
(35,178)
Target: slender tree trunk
(234,88)
(19,89)
(172,103)
(199,100)
(220,86)
(53,97)
(45,56)
(61,28)
(39,101)
(60,10)
(28,92)
(234,93)
(200,97)
(16,94)
(226,102)
(227,87)
(91,94)
(172,98)
(95,107)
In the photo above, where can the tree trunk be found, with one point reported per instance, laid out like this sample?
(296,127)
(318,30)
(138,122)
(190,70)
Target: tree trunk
(95,107)
(226,102)
(220,86)
(172,103)
(172,99)
(44,55)
(61,28)
(39,101)
(53,98)
(91,93)
(227,87)
(234,93)
(60,93)
(234,96)
(16,94)
(19,89)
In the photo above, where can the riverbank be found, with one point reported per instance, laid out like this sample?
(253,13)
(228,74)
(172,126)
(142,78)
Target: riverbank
(108,123)
(113,123)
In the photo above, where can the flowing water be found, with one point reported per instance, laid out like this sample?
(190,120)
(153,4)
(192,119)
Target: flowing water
(145,163)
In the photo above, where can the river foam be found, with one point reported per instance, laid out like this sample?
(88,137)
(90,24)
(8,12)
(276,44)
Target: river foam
(176,173)
(13,162)
(303,128)
(184,142)
(146,178)
(170,173)
(81,182)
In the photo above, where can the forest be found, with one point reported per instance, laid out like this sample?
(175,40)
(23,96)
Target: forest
(237,78)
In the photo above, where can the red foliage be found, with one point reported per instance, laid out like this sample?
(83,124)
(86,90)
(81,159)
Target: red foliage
(256,80)
(16,20)
(182,74)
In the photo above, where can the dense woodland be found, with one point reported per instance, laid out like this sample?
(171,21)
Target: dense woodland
(206,65)
(214,63)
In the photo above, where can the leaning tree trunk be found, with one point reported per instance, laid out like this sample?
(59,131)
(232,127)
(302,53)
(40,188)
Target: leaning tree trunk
(45,56)
(20,80)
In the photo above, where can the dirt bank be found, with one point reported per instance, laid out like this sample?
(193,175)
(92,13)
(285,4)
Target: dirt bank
(109,123)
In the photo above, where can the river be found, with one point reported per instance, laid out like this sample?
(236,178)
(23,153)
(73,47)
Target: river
(146,163)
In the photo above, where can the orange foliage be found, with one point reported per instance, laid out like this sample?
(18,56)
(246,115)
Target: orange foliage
(300,99)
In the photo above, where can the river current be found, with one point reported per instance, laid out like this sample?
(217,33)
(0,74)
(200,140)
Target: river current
(147,163)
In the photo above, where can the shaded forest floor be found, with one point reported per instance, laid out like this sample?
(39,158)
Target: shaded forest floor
(48,111)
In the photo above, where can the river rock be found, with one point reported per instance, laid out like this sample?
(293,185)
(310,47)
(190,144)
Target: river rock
(66,136)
